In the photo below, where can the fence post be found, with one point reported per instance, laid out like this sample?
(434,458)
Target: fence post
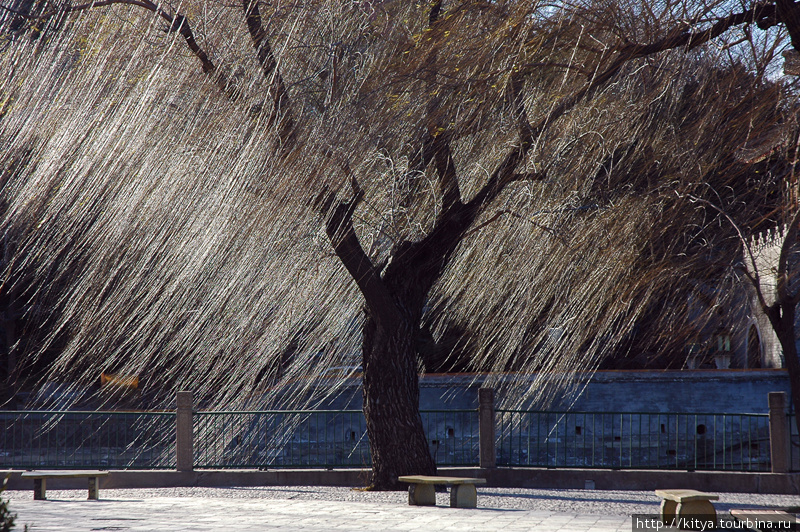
(184,447)
(778,432)
(486,430)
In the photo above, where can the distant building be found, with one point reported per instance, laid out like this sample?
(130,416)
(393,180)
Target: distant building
(763,348)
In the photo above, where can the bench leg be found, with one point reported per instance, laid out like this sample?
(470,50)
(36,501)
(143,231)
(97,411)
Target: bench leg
(668,511)
(40,489)
(700,515)
(94,488)
(463,496)
(421,495)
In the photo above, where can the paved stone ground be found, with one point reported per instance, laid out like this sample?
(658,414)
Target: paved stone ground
(325,508)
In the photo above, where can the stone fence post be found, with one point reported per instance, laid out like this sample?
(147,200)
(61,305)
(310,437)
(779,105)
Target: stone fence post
(778,432)
(184,447)
(486,430)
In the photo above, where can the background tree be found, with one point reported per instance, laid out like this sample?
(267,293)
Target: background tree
(505,168)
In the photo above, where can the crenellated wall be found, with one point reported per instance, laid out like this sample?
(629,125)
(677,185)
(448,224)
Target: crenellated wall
(765,248)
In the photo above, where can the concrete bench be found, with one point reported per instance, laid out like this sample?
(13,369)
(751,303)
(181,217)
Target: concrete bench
(689,507)
(421,490)
(40,481)
(762,520)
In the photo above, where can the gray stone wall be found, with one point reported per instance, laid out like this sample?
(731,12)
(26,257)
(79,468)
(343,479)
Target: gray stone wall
(723,391)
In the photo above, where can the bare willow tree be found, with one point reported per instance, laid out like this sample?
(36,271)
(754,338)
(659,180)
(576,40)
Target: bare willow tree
(176,176)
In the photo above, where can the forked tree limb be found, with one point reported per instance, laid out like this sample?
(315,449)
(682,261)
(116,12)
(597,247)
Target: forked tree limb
(762,14)
(504,174)
(343,238)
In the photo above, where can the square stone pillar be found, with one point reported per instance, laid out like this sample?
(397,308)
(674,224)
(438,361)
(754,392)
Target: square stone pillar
(778,433)
(184,445)
(486,430)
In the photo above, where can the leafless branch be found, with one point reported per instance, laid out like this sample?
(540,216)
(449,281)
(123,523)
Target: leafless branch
(177,23)
(754,276)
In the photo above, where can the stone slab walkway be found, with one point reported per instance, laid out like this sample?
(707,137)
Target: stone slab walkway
(201,514)
(332,509)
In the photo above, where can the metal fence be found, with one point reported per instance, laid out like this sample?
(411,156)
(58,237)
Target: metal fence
(615,440)
(452,436)
(81,440)
(318,438)
(328,438)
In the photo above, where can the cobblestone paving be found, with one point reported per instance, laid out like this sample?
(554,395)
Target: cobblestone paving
(324,508)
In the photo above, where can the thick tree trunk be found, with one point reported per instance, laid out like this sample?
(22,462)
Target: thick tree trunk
(782,319)
(391,403)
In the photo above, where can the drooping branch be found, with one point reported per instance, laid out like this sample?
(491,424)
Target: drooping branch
(279,112)
(177,23)
(753,276)
(761,14)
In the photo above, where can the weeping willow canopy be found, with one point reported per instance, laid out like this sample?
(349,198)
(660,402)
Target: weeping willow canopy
(164,215)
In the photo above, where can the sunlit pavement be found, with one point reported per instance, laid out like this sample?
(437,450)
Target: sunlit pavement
(206,514)
(330,508)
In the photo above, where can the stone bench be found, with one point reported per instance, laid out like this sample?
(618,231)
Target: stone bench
(421,490)
(689,507)
(40,481)
(762,520)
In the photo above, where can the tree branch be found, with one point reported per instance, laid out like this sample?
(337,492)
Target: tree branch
(436,9)
(516,100)
(754,277)
(758,14)
(680,39)
(504,174)
(459,219)
(343,238)
(496,216)
(789,13)
(279,113)
(783,282)
(177,22)
(448,180)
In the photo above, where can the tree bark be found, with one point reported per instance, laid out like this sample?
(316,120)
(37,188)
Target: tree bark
(781,316)
(392,334)
(393,312)
(391,402)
